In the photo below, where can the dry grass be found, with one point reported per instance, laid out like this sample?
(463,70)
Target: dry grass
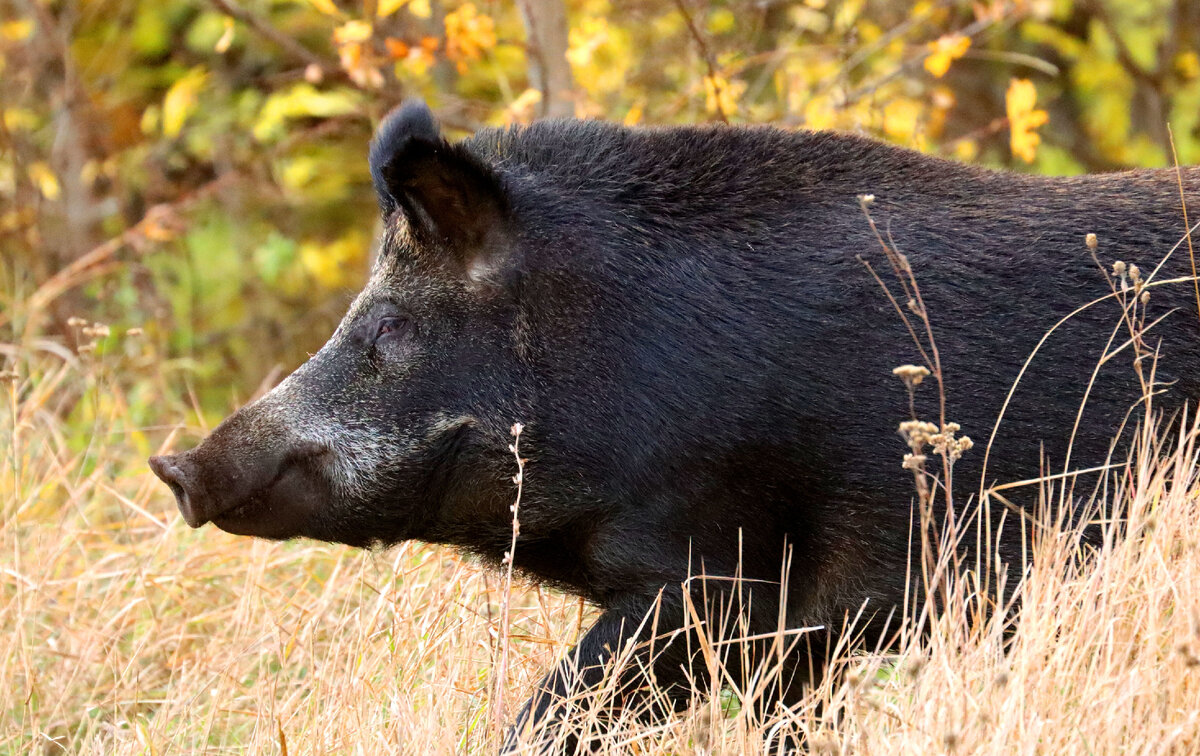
(126,632)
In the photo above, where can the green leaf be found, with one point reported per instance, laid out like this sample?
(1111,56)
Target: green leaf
(303,101)
(274,256)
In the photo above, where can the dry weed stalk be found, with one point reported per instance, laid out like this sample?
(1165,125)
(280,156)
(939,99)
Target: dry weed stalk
(937,544)
(499,678)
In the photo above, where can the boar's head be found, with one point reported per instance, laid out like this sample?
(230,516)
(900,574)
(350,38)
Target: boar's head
(398,427)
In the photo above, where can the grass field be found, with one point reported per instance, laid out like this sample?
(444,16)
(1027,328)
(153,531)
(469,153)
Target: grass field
(125,632)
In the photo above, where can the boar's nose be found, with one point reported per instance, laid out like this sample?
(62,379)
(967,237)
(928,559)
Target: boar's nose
(176,472)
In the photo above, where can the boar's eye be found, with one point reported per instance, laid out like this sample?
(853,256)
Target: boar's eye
(390,325)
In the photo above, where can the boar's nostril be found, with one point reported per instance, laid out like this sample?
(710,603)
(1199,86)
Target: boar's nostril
(176,479)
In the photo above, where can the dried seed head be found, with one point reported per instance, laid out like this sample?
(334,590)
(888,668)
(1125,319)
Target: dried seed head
(913,462)
(912,375)
(76,322)
(133,332)
(1091,241)
(917,433)
(944,442)
(866,200)
(1119,269)
(1135,273)
(1145,298)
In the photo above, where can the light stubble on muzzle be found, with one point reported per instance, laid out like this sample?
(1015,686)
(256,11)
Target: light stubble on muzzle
(256,474)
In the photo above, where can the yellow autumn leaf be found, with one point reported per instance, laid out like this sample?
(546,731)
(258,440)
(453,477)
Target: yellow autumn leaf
(386,8)
(721,95)
(151,120)
(180,101)
(1023,118)
(419,58)
(468,34)
(302,101)
(585,39)
(966,150)
(15,220)
(901,119)
(352,31)
(521,110)
(19,119)
(356,55)
(1188,65)
(722,21)
(15,31)
(820,113)
(419,8)
(222,45)
(943,100)
(335,264)
(325,6)
(45,180)
(944,50)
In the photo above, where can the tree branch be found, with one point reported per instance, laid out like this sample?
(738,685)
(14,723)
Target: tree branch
(546,32)
(708,58)
(264,29)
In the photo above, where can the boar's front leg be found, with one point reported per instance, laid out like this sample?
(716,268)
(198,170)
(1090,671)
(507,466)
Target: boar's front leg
(574,683)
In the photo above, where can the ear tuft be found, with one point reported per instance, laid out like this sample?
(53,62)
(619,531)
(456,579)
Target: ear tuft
(454,202)
(408,123)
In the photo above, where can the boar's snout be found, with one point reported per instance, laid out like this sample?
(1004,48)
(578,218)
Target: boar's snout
(247,484)
(180,475)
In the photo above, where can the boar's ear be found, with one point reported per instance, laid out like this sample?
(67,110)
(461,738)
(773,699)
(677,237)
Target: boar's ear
(449,197)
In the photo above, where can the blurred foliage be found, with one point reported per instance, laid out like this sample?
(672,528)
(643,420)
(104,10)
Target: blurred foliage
(196,169)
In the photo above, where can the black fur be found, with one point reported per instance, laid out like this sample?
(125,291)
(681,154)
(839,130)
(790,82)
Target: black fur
(703,364)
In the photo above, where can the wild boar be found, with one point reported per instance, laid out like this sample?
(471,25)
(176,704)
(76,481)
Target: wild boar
(702,363)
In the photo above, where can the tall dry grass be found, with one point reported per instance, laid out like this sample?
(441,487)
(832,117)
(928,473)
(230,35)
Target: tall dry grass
(126,632)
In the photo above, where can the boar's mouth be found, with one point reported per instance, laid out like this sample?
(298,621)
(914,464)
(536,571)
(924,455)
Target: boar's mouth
(279,511)
(274,494)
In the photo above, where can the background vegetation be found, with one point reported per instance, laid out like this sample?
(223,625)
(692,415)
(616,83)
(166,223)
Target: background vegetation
(245,123)
(185,210)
